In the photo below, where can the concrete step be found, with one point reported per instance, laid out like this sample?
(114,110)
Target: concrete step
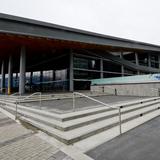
(68,125)
(91,111)
(101,109)
(44,97)
(32,110)
(73,127)
(92,142)
(78,134)
(75,123)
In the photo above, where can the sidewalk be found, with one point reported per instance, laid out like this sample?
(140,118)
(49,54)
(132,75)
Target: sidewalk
(19,143)
(140,143)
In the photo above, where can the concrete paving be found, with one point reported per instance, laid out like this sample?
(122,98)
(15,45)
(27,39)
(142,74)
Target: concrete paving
(141,143)
(19,143)
(64,105)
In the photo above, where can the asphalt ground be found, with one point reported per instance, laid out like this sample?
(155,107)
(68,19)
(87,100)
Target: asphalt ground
(141,143)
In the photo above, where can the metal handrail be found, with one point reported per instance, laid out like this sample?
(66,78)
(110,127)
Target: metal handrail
(5,93)
(93,99)
(30,96)
(18,101)
(3,89)
(156,89)
(16,93)
(105,104)
(27,97)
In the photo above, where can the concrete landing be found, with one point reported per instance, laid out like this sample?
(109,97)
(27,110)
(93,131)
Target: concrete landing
(66,105)
(141,143)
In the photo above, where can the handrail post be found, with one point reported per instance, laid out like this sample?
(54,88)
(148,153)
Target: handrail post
(120,120)
(40,100)
(73,101)
(5,95)
(16,117)
(4,98)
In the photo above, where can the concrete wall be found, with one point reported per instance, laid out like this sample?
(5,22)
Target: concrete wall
(134,89)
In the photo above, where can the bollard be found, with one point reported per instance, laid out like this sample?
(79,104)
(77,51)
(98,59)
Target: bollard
(120,121)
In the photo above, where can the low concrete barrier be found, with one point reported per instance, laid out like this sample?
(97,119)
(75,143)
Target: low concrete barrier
(131,89)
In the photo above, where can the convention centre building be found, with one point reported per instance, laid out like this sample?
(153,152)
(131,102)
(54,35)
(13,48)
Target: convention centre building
(39,56)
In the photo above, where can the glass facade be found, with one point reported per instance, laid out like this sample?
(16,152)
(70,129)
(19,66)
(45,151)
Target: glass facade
(129,72)
(111,66)
(154,61)
(85,69)
(54,75)
(86,63)
(143,59)
(49,80)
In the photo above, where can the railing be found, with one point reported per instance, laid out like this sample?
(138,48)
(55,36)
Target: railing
(102,103)
(25,99)
(14,94)
(4,90)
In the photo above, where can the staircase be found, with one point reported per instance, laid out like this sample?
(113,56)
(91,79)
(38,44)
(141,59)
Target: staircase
(88,128)
(38,96)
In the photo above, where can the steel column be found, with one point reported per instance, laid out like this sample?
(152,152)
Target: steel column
(3,77)
(9,74)
(22,70)
(71,74)
(149,59)
(137,61)
(122,66)
(41,80)
(31,75)
(159,61)
(101,67)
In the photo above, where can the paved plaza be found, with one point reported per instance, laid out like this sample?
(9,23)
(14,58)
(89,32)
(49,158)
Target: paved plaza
(19,143)
(22,142)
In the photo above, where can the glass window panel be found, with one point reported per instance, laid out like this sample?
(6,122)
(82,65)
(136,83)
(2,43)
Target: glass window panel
(86,63)
(61,74)
(47,75)
(110,75)
(111,66)
(85,74)
(36,77)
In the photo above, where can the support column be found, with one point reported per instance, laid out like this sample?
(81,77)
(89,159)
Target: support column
(53,79)
(159,61)
(31,75)
(101,68)
(122,66)
(22,70)
(149,59)
(71,83)
(9,75)
(41,80)
(3,77)
(137,61)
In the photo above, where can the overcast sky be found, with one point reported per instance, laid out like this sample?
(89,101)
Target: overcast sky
(132,19)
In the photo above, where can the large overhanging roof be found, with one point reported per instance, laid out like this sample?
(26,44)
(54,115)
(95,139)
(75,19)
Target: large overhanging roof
(22,27)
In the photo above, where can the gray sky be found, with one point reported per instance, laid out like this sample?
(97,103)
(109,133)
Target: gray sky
(132,19)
